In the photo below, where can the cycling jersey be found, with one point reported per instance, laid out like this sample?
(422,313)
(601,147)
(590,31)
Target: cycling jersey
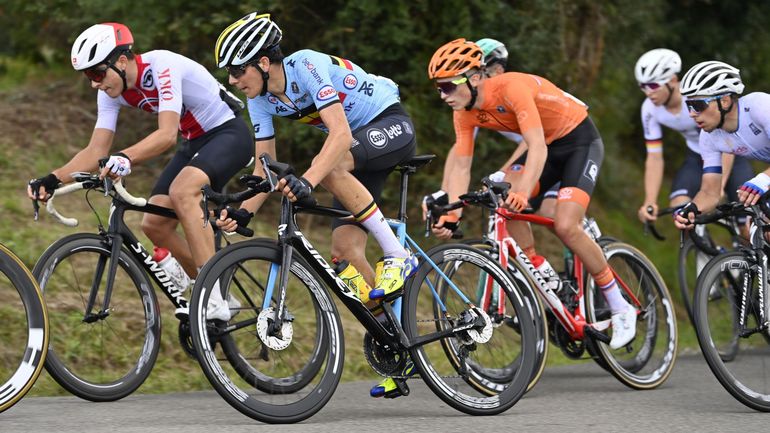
(653,116)
(751,139)
(314,81)
(518,102)
(167,81)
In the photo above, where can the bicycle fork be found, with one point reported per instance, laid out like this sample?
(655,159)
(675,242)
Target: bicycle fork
(114,241)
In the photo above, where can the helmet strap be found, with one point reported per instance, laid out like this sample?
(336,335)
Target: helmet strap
(670,94)
(265,78)
(474,95)
(723,112)
(122,76)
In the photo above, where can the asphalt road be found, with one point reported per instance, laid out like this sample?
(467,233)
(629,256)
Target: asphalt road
(576,398)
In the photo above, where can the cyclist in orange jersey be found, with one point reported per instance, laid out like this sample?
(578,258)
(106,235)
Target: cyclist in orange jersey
(563,146)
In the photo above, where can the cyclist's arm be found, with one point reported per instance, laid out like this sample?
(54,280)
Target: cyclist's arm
(710,192)
(88,158)
(728,159)
(158,141)
(520,149)
(536,156)
(337,143)
(457,175)
(261,146)
(653,178)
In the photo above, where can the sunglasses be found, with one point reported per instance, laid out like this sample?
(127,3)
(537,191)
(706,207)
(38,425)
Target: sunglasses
(448,87)
(651,86)
(700,105)
(96,74)
(237,71)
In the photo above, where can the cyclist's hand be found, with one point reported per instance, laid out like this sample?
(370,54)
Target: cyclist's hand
(296,188)
(516,201)
(42,188)
(231,218)
(446,226)
(438,197)
(117,165)
(684,218)
(645,214)
(750,192)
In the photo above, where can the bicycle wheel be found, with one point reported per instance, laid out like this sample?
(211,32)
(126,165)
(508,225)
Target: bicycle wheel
(275,378)
(526,287)
(495,342)
(25,329)
(648,360)
(108,357)
(691,263)
(747,375)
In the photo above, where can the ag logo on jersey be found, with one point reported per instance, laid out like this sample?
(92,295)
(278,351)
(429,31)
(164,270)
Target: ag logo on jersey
(591,171)
(325,93)
(350,81)
(377,138)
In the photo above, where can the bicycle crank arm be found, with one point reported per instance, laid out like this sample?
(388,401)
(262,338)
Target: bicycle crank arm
(597,335)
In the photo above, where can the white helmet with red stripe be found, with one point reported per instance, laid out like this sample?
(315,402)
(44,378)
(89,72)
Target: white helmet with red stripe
(98,44)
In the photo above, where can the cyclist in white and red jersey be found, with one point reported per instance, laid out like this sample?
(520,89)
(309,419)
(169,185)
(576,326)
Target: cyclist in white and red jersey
(656,73)
(187,100)
(730,123)
(368,135)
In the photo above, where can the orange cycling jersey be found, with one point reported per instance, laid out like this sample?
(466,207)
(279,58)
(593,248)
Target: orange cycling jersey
(519,102)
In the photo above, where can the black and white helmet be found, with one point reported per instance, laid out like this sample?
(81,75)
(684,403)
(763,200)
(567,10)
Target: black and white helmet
(657,66)
(243,39)
(711,78)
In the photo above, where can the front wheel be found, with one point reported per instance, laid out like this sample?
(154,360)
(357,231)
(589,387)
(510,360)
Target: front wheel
(499,341)
(647,361)
(107,356)
(729,287)
(282,375)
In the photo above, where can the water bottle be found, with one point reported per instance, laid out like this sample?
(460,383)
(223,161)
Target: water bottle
(173,269)
(354,280)
(552,280)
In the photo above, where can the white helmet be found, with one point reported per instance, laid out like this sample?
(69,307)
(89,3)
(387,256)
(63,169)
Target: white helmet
(98,43)
(243,39)
(711,78)
(657,66)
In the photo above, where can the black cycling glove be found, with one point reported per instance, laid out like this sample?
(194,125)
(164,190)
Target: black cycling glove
(242,217)
(49,182)
(299,186)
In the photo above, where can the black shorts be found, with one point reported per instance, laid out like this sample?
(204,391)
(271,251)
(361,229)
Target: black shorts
(573,161)
(220,153)
(688,178)
(379,147)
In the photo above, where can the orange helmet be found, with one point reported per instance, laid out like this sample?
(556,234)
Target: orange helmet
(455,58)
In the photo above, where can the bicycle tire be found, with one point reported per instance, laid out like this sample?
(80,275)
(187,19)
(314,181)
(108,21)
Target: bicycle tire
(250,395)
(746,377)
(526,287)
(420,319)
(115,354)
(25,326)
(649,364)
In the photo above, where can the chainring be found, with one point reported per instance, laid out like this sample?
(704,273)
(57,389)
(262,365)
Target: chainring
(384,360)
(571,348)
(185,339)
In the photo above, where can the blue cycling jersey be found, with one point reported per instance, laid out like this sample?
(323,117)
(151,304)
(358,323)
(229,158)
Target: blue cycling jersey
(315,80)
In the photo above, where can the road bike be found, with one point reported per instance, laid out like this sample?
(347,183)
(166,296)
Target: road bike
(577,316)
(287,309)
(24,340)
(730,311)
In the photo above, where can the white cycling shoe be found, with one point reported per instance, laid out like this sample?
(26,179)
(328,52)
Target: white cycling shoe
(220,309)
(623,327)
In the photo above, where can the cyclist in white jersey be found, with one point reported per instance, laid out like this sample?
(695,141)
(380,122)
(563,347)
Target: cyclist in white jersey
(730,124)
(368,135)
(656,73)
(187,100)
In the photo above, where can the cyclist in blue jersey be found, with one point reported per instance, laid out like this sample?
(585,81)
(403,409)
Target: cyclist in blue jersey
(369,134)
(729,124)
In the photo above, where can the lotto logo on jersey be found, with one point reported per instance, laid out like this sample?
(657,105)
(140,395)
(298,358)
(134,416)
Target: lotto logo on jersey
(393,131)
(325,93)
(350,81)
(377,138)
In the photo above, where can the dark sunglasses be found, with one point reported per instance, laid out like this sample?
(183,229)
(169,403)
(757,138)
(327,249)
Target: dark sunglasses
(650,86)
(237,71)
(700,105)
(448,87)
(96,73)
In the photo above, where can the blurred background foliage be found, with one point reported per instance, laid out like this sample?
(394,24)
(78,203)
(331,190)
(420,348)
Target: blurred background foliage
(586,47)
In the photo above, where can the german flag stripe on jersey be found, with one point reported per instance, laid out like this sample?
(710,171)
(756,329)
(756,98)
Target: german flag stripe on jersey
(342,63)
(654,146)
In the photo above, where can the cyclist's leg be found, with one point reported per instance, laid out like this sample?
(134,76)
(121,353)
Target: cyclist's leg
(686,182)
(349,243)
(548,206)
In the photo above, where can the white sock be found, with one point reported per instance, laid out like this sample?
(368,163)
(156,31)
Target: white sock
(373,220)
(614,298)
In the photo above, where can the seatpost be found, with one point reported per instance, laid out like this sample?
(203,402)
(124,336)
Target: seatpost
(405,172)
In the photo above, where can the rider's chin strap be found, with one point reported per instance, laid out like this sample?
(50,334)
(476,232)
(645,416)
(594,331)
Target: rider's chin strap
(723,112)
(265,77)
(670,94)
(474,94)
(122,76)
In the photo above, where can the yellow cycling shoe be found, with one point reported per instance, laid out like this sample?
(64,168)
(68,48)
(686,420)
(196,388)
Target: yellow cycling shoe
(389,282)
(391,387)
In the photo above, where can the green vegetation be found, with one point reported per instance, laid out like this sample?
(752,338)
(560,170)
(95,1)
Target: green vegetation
(586,47)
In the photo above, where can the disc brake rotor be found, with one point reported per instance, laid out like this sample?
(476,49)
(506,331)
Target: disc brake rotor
(275,342)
